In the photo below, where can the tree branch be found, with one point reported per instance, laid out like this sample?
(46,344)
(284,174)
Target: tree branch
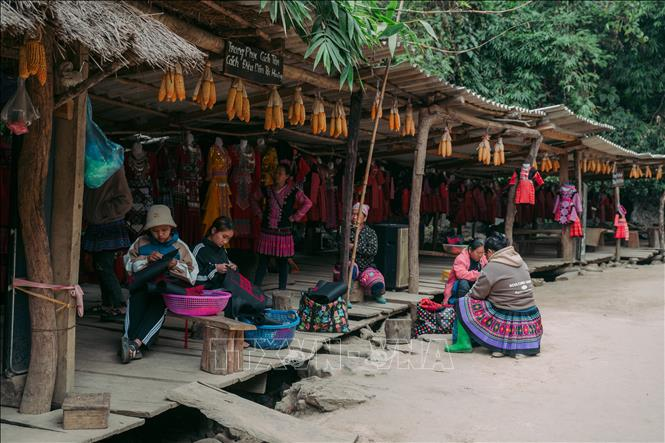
(90,82)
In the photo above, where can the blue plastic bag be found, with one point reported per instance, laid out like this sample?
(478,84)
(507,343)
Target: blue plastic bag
(103,158)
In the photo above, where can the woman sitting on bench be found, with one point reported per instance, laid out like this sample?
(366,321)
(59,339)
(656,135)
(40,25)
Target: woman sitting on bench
(146,309)
(465,272)
(211,256)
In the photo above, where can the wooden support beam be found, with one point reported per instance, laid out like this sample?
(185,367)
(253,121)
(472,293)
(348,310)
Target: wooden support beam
(579,255)
(456,114)
(348,181)
(425,120)
(67,211)
(90,82)
(661,223)
(510,209)
(617,204)
(554,134)
(32,174)
(235,17)
(116,102)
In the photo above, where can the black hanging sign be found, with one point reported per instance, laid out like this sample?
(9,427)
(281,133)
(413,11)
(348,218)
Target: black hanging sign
(253,64)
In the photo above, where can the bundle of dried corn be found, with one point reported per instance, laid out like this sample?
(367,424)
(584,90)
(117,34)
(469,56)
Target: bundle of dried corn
(274,111)
(647,172)
(318,116)
(409,127)
(499,153)
(556,165)
(445,147)
(237,102)
(172,87)
(205,92)
(484,150)
(32,60)
(546,164)
(297,109)
(659,172)
(338,121)
(393,121)
(377,112)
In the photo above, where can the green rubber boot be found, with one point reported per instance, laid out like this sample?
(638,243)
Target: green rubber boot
(463,343)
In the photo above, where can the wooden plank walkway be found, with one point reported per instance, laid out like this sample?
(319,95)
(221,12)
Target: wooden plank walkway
(19,428)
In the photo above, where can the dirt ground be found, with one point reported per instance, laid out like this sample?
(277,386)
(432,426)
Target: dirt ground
(599,376)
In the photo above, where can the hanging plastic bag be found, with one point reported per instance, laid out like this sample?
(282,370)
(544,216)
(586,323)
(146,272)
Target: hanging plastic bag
(19,112)
(102,156)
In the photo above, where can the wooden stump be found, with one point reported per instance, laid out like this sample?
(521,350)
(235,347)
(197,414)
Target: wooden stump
(357,293)
(86,411)
(282,299)
(222,350)
(398,331)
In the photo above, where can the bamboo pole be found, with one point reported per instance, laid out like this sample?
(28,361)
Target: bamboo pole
(349,280)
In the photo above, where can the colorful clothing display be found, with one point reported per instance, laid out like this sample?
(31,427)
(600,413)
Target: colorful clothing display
(621,224)
(568,205)
(187,193)
(245,181)
(269,164)
(138,171)
(165,179)
(526,191)
(218,198)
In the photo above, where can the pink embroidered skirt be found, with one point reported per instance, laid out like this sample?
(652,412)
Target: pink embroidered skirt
(276,242)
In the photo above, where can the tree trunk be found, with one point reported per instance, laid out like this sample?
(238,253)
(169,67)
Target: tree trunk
(661,223)
(510,208)
(32,174)
(349,174)
(425,120)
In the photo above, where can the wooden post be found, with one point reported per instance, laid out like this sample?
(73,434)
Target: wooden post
(578,183)
(425,120)
(349,174)
(585,202)
(661,223)
(222,350)
(66,231)
(510,209)
(617,203)
(567,249)
(33,167)
(398,330)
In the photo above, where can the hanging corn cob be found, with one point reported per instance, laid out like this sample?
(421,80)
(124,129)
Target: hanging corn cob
(499,157)
(274,111)
(647,172)
(180,92)
(409,127)
(534,165)
(237,100)
(205,92)
(556,165)
(445,147)
(32,60)
(659,172)
(297,109)
(318,116)
(338,121)
(377,112)
(545,165)
(394,120)
(484,150)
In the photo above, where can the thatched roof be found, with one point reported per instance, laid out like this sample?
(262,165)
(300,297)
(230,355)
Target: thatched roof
(113,30)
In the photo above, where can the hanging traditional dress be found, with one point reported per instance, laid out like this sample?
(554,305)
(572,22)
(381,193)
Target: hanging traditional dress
(187,193)
(567,209)
(245,180)
(268,166)
(621,224)
(526,192)
(165,180)
(218,198)
(138,169)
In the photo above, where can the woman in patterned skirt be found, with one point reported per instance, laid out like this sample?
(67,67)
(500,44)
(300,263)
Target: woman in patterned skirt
(284,204)
(500,312)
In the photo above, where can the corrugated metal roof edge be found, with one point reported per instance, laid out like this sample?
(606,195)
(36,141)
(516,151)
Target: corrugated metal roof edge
(485,100)
(565,108)
(598,140)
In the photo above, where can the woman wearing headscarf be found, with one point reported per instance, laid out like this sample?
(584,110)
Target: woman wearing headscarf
(364,269)
(500,311)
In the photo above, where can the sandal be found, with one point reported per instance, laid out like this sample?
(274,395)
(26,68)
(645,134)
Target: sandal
(135,352)
(124,350)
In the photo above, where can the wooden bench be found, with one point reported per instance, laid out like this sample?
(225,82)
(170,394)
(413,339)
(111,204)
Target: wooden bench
(223,343)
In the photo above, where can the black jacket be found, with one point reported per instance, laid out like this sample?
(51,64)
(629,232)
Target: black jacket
(208,255)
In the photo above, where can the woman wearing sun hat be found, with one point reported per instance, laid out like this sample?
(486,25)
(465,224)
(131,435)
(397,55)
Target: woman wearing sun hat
(146,311)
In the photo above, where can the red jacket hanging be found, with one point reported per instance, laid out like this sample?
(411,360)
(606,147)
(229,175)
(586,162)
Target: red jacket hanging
(526,192)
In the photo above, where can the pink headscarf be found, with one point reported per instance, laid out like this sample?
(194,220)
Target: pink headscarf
(365,209)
